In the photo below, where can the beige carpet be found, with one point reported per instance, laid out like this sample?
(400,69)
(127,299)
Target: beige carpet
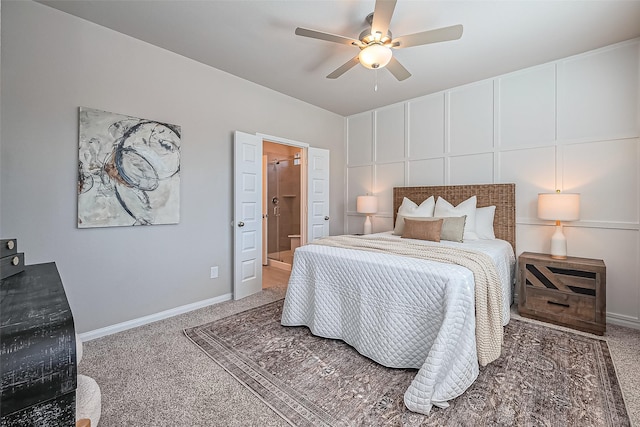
(153,376)
(544,377)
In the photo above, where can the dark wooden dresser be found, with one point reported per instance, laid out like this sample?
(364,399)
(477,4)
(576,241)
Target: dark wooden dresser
(37,350)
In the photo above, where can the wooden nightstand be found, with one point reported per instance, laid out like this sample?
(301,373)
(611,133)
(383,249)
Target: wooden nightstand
(568,292)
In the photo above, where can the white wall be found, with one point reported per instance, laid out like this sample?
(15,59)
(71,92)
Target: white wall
(52,63)
(572,125)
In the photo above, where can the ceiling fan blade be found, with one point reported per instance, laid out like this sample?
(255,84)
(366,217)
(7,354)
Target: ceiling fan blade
(426,37)
(382,16)
(326,36)
(344,68)
(398,71)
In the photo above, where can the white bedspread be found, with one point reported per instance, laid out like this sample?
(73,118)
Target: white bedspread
(401,312)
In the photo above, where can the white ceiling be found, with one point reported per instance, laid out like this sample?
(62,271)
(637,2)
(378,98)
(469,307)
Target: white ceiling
(255,40)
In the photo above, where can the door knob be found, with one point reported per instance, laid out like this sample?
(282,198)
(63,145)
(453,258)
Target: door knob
(241,224)
(326,218)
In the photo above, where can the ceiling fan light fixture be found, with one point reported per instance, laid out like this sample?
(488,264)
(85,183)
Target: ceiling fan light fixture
(375,56)
(376,41)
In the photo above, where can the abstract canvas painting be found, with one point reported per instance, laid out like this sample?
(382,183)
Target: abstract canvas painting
(128,171)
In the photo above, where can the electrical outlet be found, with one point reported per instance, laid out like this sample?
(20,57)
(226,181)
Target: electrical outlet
(214,272)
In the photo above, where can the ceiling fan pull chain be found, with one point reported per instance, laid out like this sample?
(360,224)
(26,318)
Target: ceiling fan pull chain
(375,86)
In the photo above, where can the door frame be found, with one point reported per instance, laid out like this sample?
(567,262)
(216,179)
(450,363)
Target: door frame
(303,178)
(304,207)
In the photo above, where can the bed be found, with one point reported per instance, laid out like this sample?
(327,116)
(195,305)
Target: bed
(405,311)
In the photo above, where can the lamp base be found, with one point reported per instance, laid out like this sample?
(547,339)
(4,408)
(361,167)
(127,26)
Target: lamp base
(367,225)
(558,244)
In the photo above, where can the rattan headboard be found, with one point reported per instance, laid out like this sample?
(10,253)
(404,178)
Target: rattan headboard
(502,196)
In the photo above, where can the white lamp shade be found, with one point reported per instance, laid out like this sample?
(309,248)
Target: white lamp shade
(375,56)
(559,206)
(367,204)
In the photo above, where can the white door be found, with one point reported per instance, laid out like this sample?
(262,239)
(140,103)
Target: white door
(247,215)
(318,193)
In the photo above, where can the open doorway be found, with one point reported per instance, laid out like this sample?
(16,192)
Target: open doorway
(251,208)
(282,196)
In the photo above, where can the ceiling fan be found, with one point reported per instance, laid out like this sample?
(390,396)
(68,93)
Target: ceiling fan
(376,44)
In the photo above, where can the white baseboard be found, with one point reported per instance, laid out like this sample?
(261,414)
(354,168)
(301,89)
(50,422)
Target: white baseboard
(629,322)
(279,264)
(119,327)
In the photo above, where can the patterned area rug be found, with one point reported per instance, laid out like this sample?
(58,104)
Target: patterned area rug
(545,377)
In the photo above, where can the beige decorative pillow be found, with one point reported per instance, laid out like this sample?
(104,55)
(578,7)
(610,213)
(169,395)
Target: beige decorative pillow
(452,227)
(422,229)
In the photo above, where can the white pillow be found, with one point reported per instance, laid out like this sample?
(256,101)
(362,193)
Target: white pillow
(484,222)
(468,208)
(409,209)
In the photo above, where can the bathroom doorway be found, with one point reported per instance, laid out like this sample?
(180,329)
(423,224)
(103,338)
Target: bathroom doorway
(282,209)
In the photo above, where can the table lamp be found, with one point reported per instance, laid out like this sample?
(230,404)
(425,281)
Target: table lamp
(559,207)
(367,205)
